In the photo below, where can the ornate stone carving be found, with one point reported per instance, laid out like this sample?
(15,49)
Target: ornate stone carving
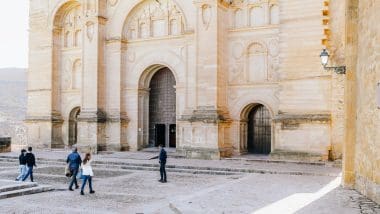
(206,15)
(237,50)
(273,47)
(153,19)
(72,27)
(112,2)
(66,75)
(255,13)
(90,30)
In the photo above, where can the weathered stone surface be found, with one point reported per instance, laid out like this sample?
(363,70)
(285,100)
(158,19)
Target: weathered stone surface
(101,57)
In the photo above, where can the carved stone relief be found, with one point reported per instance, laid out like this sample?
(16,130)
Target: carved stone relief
(76,74)
(154,19)
(206,15)
(66,74)
(72,28)
(112,2)
(254,13)
(254,63)
(90,30)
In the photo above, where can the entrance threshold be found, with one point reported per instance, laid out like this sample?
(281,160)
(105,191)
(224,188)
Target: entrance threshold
(270,159)
(155,149)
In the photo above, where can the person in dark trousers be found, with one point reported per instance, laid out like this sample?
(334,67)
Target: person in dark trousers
(22,165)
(30,163)
(162,160)
(74,160)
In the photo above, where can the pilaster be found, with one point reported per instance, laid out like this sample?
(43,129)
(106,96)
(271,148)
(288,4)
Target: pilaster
(91,121)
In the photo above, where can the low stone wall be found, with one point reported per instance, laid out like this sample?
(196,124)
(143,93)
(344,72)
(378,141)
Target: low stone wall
(5,144)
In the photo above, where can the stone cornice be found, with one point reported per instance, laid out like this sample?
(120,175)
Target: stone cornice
(303,118)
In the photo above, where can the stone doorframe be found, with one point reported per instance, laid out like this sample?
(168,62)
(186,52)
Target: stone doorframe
(243,126)
(143,102)
(73,126)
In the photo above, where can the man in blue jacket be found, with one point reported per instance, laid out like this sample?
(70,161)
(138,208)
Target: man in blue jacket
(162,160)
(74,160)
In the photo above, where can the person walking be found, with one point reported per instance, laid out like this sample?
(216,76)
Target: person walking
(162,160)
(74,161)
(87,173)
(30,163)
(22,165)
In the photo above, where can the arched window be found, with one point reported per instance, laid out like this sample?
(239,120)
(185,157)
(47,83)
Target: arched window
(144,31)
(239,18)
(257,17)
(78,38)
(77,75)
(67,39)
(174,27)
(274,15)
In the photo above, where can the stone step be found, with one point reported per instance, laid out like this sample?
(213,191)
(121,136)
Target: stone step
(317,163)
(16,186)
(26,191)
(180,168)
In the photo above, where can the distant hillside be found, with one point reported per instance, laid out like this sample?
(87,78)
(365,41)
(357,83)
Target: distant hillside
(13,74)
(13,101)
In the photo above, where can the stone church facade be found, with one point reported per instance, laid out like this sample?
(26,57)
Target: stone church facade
(209,77)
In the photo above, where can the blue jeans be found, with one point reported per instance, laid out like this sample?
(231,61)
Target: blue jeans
(23,170)
(29,172)
(87,177)
(74,173)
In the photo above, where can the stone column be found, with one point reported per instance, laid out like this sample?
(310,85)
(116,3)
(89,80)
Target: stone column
(208,121)
(350,93)
(113,95)
(39,106)
(91,121)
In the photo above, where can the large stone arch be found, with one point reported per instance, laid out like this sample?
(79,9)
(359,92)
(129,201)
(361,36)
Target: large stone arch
(239,107)
(145,68)
(61,64)
(243,124)
(155,60)
(58,11)
(239,111)
(124,8)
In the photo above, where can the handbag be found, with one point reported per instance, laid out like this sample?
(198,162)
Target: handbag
(67,171)
(80,174)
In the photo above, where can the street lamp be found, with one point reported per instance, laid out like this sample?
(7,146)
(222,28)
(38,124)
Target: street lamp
(325,60)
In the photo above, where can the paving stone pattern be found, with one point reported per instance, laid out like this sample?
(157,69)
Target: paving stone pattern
(121,190)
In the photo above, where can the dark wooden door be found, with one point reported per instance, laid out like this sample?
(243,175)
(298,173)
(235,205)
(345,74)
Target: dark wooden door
(73,126)
(172,135)
(160,134)
(162,104)
(259,130)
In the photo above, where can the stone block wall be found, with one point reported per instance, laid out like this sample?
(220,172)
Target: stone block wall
(367,157)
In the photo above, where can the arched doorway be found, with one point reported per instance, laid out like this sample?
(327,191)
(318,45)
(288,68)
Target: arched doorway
(162,109)
(259,130)
(73,126)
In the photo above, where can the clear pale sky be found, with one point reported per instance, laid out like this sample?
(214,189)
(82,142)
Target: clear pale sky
(14,33)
